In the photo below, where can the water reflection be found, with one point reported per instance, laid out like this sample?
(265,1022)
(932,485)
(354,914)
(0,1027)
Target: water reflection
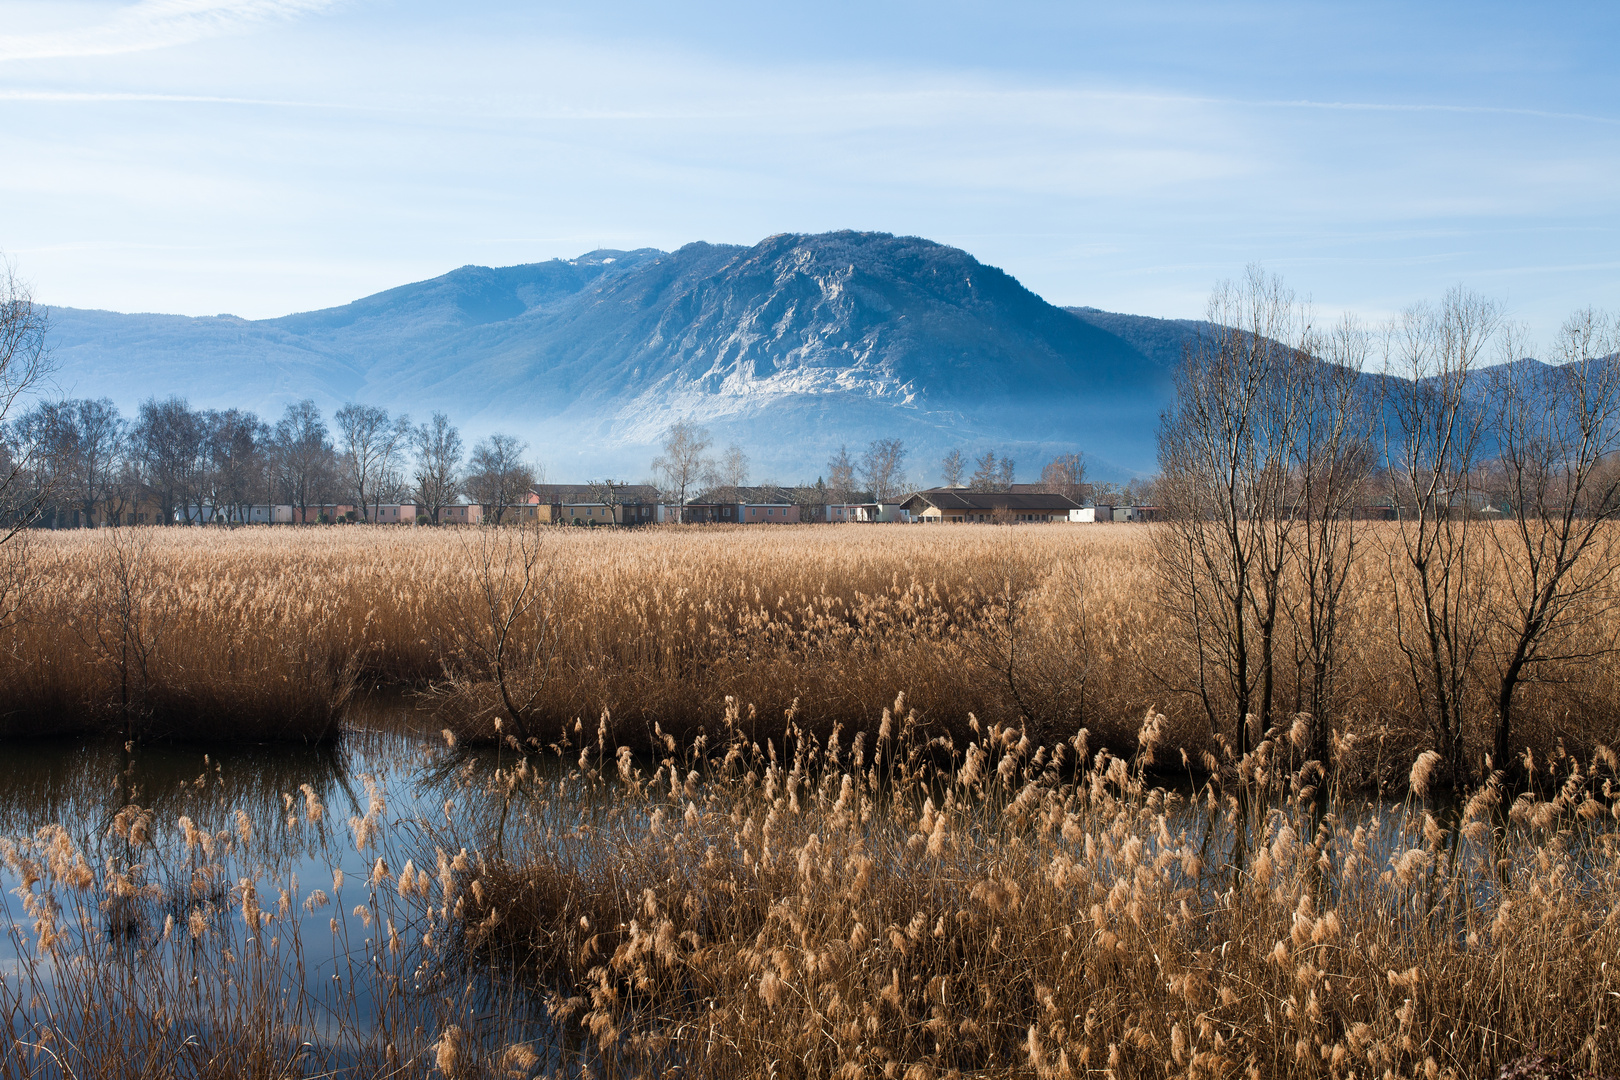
(81,784)
(294,801)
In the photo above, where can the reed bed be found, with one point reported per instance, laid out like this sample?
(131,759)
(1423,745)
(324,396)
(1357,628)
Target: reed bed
(907,906)
(265,633)
(897,904)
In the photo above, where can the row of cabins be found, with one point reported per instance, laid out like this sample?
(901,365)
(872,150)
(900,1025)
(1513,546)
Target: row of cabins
(320,513)
(584,504)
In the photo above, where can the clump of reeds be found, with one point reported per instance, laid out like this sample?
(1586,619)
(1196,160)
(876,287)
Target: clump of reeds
(903,905)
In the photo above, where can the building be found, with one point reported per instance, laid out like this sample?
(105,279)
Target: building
(872,511)
(461,514)
(960,505)
(321,513)
(709,513)
(108,512)
(768,513)
(743,506)
(584,504)
(393,513)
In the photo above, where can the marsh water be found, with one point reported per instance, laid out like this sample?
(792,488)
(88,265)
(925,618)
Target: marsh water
(390,752)
(232,789)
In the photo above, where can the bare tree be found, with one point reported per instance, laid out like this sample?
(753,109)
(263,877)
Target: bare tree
(497,476)
(1557,432)
(1140,491)
(811,499)
(438,464)
(235,448)
(1065,475)
(1331,458)
(25,364)
(952,468)
(986,473)
(126,486)
(729,474)
(304,455)
(1105,493)
(1224,451)
(1004,474)
(369,445)
(168,438)
(393,487)
(46,435)
(75,448)
(610,493)
(1035,634)
(507,635)
(684,462)
(883,468)
(1433,427)
(124,623)
(840,476)
(102,434)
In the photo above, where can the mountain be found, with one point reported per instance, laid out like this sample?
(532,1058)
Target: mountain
(790,348)
(1160,340)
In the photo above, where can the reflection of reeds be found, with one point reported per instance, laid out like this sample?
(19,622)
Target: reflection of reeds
(262,633)
(169,947)
(82,785)
(887,904)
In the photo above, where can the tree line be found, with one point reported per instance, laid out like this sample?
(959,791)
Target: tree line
(79,460)
(1501,475)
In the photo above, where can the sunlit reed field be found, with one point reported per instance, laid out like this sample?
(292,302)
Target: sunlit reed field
(267,633)
(890,905)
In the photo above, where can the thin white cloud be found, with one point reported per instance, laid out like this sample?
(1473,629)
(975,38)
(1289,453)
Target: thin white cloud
(94,96)
(154,24)
(1482,110)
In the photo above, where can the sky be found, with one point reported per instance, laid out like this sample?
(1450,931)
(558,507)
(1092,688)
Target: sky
(259,157)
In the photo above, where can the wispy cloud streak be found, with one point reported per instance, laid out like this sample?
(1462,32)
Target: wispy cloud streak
(154,24)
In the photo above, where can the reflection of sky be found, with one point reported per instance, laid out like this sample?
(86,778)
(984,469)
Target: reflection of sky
(263,156)
(80,785)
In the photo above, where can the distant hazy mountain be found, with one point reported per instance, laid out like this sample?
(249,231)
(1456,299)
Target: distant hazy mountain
(790,348)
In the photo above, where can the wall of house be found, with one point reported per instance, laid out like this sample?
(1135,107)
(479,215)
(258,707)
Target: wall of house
(393,513)
(768,514)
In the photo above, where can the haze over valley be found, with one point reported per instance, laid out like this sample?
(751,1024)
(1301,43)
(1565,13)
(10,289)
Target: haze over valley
(788,348)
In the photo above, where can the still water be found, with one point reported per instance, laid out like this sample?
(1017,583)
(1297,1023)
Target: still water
(388,766)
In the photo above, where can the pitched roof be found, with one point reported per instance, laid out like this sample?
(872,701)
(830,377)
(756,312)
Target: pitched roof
(590,493)
(990,501)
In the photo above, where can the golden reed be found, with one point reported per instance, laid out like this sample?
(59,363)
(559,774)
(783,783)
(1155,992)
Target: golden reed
(265,633)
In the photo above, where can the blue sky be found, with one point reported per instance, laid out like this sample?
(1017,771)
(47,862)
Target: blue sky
(265,156)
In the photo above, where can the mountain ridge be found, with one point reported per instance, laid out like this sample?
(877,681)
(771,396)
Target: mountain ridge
(789,347)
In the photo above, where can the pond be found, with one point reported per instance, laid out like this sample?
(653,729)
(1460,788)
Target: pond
(302,832)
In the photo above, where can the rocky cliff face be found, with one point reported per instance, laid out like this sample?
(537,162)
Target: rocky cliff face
(790,347)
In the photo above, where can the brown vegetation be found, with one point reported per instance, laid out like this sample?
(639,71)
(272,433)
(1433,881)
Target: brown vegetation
(891,905)
(263,633)
(856,909)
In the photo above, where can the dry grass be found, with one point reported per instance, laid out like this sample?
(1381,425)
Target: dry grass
(263,633)
(905,908)
(887,906)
